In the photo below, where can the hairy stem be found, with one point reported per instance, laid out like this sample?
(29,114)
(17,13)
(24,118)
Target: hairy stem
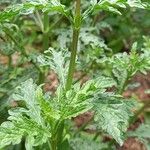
(76,30)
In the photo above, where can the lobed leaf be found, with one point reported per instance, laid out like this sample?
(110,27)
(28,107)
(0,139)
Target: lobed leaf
(80,143)
(80,99)
(18,126)
(30,6)
(125,66)
(27,92)
(25,121)
(112,115)
(114,5)
(57,61)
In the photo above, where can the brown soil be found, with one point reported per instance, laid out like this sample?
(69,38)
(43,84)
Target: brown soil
(144,81)
(3,60)
(132,144)
(51,82)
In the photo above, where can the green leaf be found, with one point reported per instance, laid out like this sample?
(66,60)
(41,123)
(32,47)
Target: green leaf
(88,38)
(85,142)
(30,6)
(27,92)
(57,62)
(10,79)
(73,103)
(124,66)
(18,126)
(49,108)
(113,5)
(7,48)
(79,99)
(25,122)
(103,82)
(64,37)
(9,13)
(136,3)
(112,115)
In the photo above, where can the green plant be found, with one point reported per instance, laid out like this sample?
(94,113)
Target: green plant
(41,119)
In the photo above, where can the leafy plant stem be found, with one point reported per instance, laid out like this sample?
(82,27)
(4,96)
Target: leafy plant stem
(96,136)
(57,135)
(41,78)
(53,145)
(49,145)
(124,86)
(45,41)
(39,20)
(76,30)
(95,20)
(46,32)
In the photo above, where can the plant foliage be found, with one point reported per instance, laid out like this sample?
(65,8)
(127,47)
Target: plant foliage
(41,119)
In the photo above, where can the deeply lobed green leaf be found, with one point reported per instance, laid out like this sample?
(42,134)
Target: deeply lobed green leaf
(112,115)
(30,6)
(114,5)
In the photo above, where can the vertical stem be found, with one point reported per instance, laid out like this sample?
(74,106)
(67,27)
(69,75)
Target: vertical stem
(54,145)
(49,144)
(45,42)
(39,20)
(41,77)
(46,32)
(76,30)
(96,136)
